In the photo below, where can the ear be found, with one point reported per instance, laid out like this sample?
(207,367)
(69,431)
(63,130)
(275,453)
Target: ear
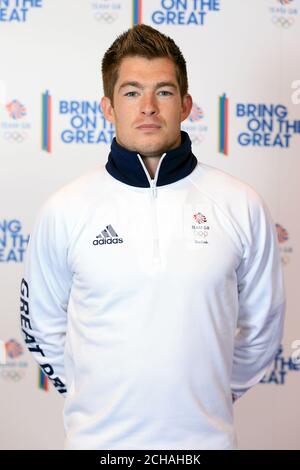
(107,109)
(187,103)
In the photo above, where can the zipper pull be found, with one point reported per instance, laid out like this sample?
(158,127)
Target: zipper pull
(153,188)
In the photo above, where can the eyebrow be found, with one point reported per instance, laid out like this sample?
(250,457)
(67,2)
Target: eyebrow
(140,86)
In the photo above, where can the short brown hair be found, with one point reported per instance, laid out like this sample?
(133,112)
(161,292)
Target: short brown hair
(143,41)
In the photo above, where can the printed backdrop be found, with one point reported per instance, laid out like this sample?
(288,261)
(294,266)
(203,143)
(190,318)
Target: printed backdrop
(244,75)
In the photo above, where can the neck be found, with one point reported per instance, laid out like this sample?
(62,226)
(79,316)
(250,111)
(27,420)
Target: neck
(151,164)
(125,166)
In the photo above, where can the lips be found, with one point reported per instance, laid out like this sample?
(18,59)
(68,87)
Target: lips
(148,126)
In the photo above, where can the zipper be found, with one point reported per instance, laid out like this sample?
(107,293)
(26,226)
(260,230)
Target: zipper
(153,194)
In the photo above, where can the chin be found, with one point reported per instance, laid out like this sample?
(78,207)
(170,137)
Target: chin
(148,148)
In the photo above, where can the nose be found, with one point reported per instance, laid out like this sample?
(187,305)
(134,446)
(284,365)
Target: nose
(149,105)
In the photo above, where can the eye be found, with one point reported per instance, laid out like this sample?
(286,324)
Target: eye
(131,93)
(165,93)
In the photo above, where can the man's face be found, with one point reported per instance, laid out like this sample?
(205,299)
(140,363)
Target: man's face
(147,108)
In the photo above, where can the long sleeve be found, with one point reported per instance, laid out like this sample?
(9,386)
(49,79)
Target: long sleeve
(261,301)
(45,290)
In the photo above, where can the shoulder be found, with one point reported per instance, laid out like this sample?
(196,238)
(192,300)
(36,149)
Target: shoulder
(76,194)
(226,190)
(80,189)
(65,207)
(219,182)
(238,201)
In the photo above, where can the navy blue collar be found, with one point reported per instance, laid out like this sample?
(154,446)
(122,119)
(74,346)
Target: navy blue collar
(125,166)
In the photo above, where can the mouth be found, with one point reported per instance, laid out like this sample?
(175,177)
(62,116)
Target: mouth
(148,127)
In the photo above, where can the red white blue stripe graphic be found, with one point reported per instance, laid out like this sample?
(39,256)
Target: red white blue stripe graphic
(223,124)
(43,380)
(46,121)
(136,12)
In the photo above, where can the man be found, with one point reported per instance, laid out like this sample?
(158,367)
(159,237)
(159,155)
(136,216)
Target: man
(153,292)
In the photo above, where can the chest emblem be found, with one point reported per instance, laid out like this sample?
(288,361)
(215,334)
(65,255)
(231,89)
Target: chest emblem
(200,228)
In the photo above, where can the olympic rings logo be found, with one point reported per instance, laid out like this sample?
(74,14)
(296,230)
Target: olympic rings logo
(201,233)
(15,137)
(106,17)
(282,21)
(13,375)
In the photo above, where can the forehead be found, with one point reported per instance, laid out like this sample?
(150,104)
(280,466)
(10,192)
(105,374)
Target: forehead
(146,70)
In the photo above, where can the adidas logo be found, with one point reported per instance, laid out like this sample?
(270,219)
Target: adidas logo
(108,236)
